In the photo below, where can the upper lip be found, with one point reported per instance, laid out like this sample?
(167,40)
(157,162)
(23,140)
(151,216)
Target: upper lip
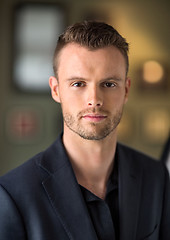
(94,115)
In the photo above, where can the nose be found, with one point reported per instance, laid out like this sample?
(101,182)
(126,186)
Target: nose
(95,98)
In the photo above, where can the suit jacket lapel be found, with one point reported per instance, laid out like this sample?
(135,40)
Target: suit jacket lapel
(130,178)
(65,195)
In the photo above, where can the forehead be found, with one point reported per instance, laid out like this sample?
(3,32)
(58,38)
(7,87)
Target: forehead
(74,57)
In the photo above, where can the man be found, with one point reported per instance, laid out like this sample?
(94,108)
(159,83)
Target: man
(86,186)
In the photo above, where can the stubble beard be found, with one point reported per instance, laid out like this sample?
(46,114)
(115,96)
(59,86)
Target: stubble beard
(98,131)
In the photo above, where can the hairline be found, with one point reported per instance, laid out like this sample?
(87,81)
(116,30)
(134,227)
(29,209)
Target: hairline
(58,54)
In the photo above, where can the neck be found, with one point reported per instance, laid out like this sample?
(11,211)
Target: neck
(92,161)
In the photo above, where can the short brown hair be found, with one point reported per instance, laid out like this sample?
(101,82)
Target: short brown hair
(93,35)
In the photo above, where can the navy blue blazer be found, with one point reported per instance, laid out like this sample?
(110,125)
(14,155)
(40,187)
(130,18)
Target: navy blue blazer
(41,200)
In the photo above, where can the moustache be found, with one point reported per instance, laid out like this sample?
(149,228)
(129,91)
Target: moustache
(92,110)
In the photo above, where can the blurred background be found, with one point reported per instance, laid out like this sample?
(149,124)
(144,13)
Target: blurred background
(30,120)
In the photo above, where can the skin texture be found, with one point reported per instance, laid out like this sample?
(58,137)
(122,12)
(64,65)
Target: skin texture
(92,88)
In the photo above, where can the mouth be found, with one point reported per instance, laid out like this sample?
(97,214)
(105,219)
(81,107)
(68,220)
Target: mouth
(94,117)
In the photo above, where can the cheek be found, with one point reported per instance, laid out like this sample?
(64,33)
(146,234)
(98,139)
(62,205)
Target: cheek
(114,103)
(72,97)
(70,104)
(116,97)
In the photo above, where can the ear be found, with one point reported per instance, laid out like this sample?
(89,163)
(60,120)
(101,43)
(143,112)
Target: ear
(54,85)
(127,88)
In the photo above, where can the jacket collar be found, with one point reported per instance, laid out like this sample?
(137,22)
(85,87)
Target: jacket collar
(130,180)
(66,198)
(64,193)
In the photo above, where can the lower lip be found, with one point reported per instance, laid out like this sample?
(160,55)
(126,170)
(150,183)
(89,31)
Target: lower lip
(94,118)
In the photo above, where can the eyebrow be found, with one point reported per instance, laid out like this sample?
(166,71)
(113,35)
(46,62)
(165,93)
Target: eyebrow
(115,78)
(76,78)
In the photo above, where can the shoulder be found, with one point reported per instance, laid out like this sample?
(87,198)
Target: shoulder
(23,174)
(131,152)
(140,160)
(35,170)
(136,155)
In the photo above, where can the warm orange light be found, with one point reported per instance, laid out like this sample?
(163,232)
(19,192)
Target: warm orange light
(152,72)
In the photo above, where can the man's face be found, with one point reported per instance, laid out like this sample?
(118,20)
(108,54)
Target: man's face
(92,88)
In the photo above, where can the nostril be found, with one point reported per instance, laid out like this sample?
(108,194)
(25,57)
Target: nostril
(94,104)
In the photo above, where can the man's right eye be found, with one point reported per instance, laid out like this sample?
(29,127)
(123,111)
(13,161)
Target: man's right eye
(78,84)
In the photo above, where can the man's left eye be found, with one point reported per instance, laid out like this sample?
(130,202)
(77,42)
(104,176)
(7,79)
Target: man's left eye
(109,84)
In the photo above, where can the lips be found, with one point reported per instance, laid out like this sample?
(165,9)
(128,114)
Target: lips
(94,117)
